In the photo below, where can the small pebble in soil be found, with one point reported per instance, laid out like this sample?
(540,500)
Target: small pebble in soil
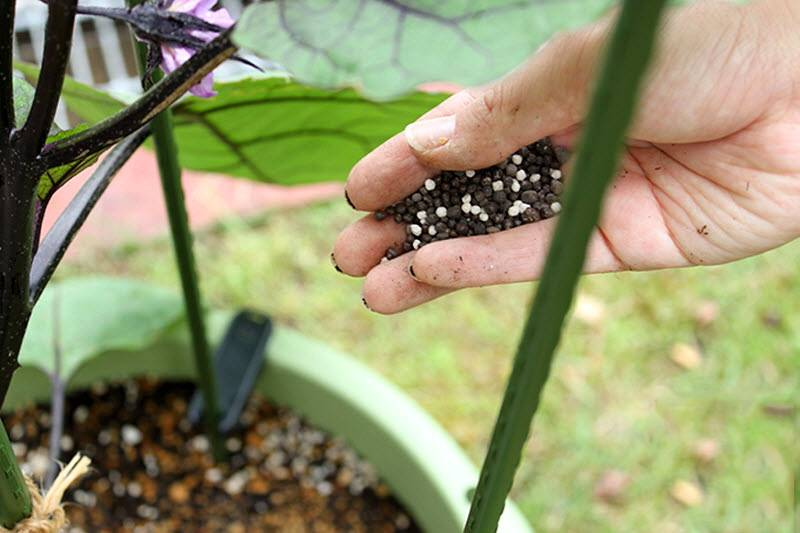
(152,471)
(522,189)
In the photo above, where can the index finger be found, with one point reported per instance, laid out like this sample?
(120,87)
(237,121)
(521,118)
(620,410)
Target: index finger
(391,171)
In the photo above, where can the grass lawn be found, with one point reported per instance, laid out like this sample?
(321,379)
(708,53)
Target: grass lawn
(616,400)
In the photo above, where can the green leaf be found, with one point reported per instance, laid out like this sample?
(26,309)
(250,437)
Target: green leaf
(279,131)
(85,317)
(90,104)
(596,163)
(23,98)
(386,47)
(57,176)
(267,129)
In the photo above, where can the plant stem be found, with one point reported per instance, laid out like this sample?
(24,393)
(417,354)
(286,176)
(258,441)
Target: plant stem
(6,62)
(598,156)
(57,393)
(19,172)
(158,98)
(57,45)
(170,170)
(15,500)
(166,152)
(16,222)
(60,236)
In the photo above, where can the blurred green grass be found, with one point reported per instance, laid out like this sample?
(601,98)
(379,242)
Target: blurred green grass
(615,401)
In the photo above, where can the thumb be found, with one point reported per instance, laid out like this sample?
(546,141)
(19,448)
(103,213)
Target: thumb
(544,96)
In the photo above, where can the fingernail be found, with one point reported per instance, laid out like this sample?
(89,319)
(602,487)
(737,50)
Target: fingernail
(425,135)
(333,262)
(411,272)
(347,199)
(364,301)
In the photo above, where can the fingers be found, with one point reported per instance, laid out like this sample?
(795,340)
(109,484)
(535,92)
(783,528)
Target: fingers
(363,243)
(544,96)
(392,171)
(510,256)
(506,257)
(389,289)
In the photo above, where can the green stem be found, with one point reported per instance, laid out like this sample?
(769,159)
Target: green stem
(166,153)
(15,500)
(169,167)
(598,156)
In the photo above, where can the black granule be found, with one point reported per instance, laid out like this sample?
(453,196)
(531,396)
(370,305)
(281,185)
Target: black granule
(526,187)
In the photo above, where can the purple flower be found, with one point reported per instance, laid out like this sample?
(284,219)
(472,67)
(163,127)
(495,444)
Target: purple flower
(172,56)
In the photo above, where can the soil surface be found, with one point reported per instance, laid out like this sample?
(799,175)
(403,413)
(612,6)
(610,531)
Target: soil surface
(153,472)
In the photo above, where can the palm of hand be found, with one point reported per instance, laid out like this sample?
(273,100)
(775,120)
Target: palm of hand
(708,202)
(714,169)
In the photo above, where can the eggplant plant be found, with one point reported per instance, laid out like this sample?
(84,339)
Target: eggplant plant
(297,128)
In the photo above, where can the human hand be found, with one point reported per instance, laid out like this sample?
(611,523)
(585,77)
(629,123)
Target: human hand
(711,171)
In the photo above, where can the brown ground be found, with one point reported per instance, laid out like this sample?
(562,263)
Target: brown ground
(153,472)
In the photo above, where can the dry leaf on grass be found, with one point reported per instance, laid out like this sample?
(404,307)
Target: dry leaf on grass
(706,313)
(780,410)
(686,356)
(589,310)
(610,488)
(687,493)
(705,450)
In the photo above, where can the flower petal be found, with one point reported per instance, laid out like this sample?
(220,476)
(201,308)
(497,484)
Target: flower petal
(195,7)
(220,17)
(174,56)
(168,61)
(204,89)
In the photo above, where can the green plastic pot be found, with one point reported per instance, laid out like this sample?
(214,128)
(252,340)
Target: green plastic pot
(424,467)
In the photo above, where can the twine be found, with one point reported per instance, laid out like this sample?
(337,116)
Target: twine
(48,514)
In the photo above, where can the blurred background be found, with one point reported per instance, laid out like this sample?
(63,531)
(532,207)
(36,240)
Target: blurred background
(674,403)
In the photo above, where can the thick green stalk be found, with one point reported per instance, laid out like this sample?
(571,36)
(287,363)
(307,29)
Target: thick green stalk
(598,156)
(166,153)
(15,500)
(169,167)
